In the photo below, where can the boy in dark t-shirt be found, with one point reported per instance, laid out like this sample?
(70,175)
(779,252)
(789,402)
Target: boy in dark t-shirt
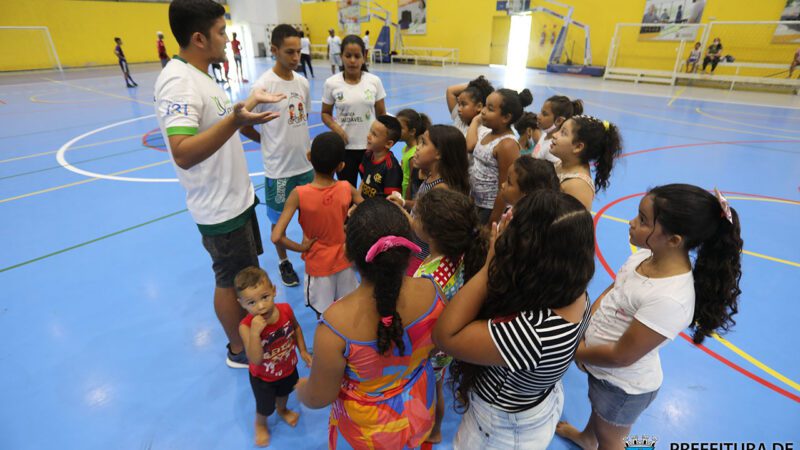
(123,63)
(381,174)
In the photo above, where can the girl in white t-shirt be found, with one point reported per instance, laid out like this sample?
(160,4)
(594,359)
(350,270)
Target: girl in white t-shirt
(358,97)
(656,295)
(465,101)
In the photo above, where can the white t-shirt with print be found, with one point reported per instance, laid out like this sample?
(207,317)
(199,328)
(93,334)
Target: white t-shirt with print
(189,102)
(462,126)
(334,45)
(354,105)
(305,46)
(665,305)
(285,140)
(366,41)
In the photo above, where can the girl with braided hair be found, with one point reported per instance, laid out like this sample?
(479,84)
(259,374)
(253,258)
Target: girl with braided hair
(372,347)
(581,142)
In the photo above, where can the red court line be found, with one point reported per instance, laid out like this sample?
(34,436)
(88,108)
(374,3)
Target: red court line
(702,144)
(708,351)
(2,102)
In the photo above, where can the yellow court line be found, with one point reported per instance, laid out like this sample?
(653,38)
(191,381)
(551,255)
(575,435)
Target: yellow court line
(35,99)
(755,362)
(764,199)
(746,124)
(88,180)
(98,92)
(93,144)
(675,97)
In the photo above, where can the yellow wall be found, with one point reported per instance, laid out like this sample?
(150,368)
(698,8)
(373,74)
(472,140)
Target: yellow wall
(470,27)
(83,32)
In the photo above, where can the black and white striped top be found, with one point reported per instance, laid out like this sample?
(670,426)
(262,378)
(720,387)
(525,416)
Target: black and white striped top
(538,347)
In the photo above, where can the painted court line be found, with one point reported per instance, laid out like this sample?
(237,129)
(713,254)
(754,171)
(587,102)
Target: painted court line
(746,124)
(98,92)
(94,144)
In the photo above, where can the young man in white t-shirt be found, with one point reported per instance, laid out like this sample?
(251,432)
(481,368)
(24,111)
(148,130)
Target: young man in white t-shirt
(284,142)
(366,47)
(334,50)
(200,127)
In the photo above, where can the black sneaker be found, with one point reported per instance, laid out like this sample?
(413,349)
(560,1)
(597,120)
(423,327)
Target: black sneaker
(237,360)
(288,275)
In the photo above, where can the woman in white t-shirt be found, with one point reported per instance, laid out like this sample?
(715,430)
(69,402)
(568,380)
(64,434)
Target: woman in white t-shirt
(305,55)
(656,295)
(357,96)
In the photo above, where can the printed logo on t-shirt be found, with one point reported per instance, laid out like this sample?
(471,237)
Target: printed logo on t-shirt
(223,106)
(297,114)
(369,95)
(351,117)
(340,96)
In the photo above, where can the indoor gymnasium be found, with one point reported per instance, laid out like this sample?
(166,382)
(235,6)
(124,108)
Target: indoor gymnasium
(474,224)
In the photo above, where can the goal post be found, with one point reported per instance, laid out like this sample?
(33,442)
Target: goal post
(757,48)
(27,48)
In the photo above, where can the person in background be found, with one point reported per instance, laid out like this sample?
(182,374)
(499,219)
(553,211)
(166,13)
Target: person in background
(123,63)
(162,49)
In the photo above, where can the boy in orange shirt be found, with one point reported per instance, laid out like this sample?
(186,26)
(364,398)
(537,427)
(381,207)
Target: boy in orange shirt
(323,206)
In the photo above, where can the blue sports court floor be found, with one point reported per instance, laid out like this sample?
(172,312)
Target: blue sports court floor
(109,336)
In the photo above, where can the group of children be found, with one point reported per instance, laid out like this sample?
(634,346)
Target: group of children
(472,255)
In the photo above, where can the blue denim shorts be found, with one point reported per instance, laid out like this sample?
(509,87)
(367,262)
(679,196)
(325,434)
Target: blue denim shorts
(616,406)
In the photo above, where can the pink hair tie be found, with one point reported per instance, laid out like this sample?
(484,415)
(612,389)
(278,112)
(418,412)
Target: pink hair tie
(723,204)
(387,320)
(387,242)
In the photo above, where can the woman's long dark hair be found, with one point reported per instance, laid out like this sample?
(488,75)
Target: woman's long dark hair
(544,259)
(372,220)
(697,216)
(451,220)
(453,163)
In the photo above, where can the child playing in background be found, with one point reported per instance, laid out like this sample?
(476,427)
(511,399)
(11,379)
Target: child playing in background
(555,111)
(526,176)
(447,222)
(494,148)
(323,206)
(413,125)
(465,101)
(657,293)
(380,172)
(581,142)
(528,129)
(123,63)
(271,336)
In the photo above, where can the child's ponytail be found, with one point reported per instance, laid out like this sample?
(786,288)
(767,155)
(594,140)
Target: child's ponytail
(717,271)
(602,145)
(701,219)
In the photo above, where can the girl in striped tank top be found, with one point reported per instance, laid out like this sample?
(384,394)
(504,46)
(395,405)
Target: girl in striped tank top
(581,142)
(441,154)
(515,325)
(494,148)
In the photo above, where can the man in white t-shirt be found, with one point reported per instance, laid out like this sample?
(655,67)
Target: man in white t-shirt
(334,50)
(284,142)
(200,127)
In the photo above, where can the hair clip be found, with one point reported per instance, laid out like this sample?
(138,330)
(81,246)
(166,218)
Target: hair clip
(387,242)
(606,124)
(723,203)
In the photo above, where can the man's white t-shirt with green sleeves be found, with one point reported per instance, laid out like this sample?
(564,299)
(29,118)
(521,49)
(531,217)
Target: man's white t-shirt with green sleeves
(285,140)
(354,105)
(219,193)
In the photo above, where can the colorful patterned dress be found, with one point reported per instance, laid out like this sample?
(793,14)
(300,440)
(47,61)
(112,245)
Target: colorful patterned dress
(386,402)
(449,275)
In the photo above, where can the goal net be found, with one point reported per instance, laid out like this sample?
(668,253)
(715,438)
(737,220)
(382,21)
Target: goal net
(652,47)
(27,48)
(756,49)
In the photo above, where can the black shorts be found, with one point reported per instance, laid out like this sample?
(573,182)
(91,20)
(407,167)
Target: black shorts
(266,391)
(232,252)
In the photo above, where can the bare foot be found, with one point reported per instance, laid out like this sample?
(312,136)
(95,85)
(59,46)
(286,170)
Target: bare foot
(262,435)
(567,431)
(435,437)
(289,417)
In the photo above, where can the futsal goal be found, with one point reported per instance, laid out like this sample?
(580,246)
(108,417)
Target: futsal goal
(754,53)
(27,48)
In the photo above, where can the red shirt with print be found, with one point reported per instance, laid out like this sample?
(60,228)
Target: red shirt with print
(279,344)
